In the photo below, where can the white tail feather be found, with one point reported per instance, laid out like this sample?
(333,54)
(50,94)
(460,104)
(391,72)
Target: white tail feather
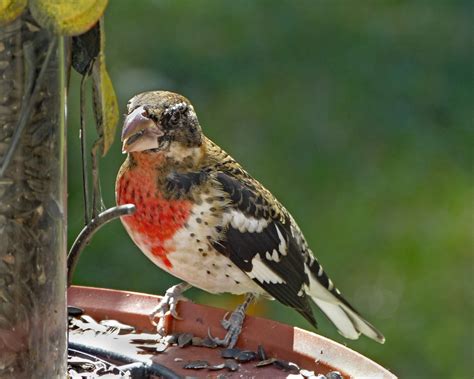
(364,326)
(349,323)
(339,318)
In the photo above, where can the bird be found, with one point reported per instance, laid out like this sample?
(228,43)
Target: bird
(205,220)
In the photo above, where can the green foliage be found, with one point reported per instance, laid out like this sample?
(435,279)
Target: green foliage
(358,117)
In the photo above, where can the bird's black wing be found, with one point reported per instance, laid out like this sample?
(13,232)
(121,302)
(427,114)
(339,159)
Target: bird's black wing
(258,238)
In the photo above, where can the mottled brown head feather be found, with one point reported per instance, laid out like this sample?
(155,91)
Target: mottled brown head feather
(173,113)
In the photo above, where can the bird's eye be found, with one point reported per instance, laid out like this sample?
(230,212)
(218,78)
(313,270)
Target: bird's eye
(174,119)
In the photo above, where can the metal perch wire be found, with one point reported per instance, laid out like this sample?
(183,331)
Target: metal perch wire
(89,230)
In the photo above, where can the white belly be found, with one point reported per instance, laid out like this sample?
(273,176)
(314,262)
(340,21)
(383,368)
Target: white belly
(214,273)
(193,259)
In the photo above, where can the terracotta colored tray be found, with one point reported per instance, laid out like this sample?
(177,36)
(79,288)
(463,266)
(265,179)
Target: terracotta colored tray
(308,350)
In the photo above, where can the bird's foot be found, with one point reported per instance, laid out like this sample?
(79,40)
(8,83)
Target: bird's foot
(168,307)
(233,324)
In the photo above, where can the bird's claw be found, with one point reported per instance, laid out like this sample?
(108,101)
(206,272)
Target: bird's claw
(166,307)
(233,325)
(225,321)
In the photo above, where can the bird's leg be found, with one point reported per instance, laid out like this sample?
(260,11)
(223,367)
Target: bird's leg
(168,305)
(233,323)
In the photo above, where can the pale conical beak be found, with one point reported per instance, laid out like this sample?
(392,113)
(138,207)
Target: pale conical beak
(139,132)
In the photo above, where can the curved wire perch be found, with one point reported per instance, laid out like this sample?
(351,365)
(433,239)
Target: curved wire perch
(89,230)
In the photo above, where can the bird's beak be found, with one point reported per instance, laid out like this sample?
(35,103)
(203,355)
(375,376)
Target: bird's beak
(139,132)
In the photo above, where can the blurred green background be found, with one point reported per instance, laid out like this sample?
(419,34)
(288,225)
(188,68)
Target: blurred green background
(358,117)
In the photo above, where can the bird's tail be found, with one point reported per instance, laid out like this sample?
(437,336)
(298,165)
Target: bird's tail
(347,320)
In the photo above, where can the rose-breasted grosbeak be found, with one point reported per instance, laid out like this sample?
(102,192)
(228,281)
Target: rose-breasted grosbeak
(201,217)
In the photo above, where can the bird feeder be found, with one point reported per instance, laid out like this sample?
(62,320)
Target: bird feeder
(32,200)
(288,350)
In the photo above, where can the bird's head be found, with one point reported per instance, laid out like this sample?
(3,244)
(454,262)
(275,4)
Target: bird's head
(160,121)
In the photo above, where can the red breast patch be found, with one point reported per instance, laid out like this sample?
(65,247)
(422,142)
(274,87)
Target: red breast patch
(156,219)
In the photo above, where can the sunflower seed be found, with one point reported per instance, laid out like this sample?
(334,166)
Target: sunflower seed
(231,365)
(208,342)
(261,355)
(230,353)
(217,367)
(74,311)
(306,373)
(266,362)
(246,356)
(161,346)
(196,341)
(285,365)
(184,339)
(172,339)
(196,365)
